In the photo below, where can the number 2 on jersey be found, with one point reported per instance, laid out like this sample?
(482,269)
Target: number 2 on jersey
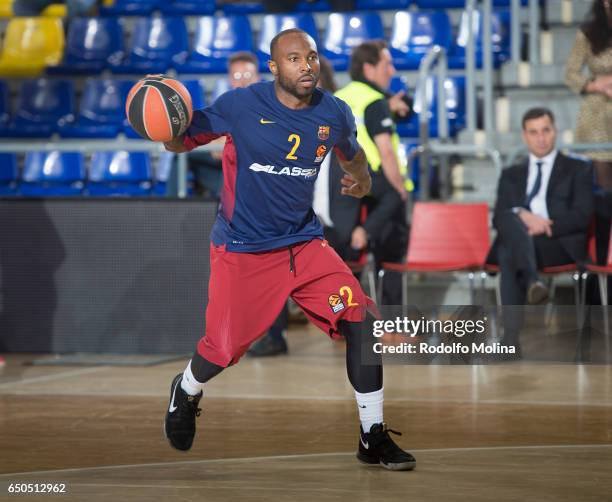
(291,139)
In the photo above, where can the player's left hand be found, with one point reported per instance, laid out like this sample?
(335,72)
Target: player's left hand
(356,188)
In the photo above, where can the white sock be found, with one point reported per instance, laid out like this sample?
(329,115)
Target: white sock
(189,384)
(370,407)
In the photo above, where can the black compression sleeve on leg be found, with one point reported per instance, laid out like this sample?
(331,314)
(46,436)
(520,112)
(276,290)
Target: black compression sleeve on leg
(363,378)
(202,369)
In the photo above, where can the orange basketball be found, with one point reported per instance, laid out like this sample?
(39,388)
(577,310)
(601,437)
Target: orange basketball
(159,108)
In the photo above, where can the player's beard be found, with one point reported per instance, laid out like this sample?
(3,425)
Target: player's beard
(293,89)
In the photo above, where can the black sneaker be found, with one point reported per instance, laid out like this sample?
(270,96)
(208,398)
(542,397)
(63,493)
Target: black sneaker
(180,417)
(377,447)
(268,346)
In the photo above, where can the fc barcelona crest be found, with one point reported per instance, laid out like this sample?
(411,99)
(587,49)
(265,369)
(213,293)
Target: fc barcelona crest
(323,133)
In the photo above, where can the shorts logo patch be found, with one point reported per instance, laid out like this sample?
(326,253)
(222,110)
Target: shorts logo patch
(335,302)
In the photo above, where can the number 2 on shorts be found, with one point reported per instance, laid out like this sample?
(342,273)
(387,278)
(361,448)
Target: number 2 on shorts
(349,292)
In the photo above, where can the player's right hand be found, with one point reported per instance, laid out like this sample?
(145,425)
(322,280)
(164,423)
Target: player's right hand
(176,145)
(356,188)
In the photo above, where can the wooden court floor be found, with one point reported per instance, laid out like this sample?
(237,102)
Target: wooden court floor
(286,429)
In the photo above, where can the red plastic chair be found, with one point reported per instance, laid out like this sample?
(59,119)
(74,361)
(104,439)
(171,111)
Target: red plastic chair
(445,238)
(602,271)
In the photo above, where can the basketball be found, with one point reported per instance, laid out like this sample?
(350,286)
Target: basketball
(159,108)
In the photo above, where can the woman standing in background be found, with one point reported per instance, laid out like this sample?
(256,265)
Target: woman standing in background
(593,48)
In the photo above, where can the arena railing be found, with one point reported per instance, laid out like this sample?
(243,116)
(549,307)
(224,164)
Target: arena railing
(435,54)
(516,33)
(90,146)
(487,68)
(442,149)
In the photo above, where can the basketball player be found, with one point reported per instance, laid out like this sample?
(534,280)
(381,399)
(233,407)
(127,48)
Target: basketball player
(267,242)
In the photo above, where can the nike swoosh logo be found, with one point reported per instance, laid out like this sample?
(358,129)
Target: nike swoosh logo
(264,121)
(173,408)
(362,406)
(366,445)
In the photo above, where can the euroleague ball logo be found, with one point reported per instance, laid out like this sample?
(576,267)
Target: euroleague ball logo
(321,151)
(181,120)
(335,303)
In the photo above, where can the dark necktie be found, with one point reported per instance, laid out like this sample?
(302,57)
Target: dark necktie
(536,186)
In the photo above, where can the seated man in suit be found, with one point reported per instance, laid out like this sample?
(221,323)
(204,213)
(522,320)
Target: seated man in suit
(542,214)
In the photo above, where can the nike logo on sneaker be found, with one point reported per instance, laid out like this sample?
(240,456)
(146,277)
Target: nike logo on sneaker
(366,444)
(264,121)
(362,406)
(172,407)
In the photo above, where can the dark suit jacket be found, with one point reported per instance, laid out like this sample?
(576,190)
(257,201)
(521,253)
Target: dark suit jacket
(569,199)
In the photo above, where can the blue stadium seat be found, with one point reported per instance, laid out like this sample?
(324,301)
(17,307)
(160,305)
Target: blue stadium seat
(398,83)
(162,173)
(120,173)
(92,44)
(102,110)
(4,104)
(164,166)
(455,107)
(314,6)
(157,44)
(43,106)
(346,31)
(47,174)
(8,174)
(242,8)
(414,33)
(130,8)
(188,7)
(500,39)
(382,4)
(222,85)
(216,39)
(273,24)
(458,4)
(440,4)
(197,91)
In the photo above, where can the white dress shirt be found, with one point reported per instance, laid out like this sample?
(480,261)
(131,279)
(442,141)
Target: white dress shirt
(320,203)
(538,203)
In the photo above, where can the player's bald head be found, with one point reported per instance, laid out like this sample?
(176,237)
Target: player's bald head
(294,63)
(279,44)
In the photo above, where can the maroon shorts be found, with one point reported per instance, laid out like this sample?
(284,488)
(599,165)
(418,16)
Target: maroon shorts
(248,290)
